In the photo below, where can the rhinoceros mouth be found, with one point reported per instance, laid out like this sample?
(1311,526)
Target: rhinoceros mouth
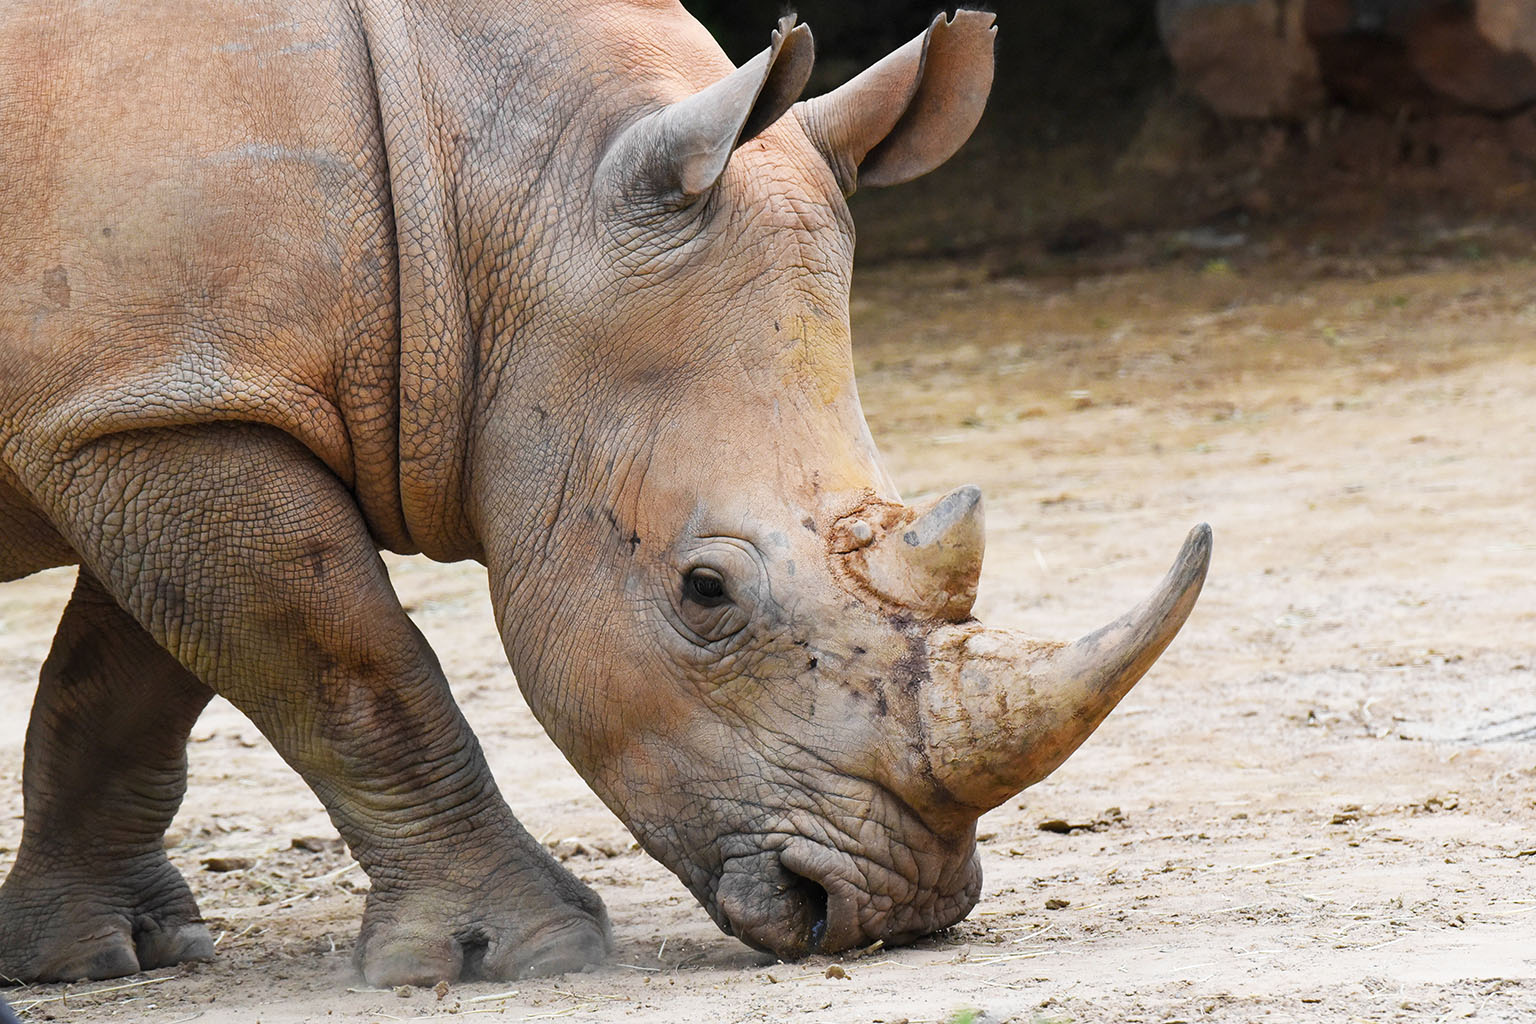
(792,902)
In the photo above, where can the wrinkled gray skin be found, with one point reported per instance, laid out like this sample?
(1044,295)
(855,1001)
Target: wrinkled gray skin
(285,285)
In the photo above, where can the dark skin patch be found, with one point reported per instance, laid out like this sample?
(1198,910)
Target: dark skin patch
(912,675)
(170,599)
(911,672)
(56,287)
(357,707)
(316,557)
(79,660)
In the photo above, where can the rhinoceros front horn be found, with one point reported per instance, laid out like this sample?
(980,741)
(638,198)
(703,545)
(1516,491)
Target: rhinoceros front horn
(1003,711)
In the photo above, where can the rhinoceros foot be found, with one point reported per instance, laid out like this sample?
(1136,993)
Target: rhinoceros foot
(68,926)
(507,933)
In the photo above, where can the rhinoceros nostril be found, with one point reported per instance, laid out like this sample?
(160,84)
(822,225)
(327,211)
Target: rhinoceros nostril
(809,900)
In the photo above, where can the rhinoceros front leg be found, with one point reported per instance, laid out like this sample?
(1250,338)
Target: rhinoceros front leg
(251,563)
(91,894)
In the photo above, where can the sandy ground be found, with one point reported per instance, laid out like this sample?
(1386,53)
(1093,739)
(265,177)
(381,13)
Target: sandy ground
(1320,805)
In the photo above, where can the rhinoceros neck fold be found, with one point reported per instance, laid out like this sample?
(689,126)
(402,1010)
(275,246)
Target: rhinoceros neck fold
(436,372)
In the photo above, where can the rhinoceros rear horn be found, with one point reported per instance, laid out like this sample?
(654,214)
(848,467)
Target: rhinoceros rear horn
(928,560)
(911,111)
(682,149)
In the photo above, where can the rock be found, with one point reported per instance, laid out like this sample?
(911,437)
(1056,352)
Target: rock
(1243,58)
(1285,58)
(228,863)
(1484,57)
(1360,48)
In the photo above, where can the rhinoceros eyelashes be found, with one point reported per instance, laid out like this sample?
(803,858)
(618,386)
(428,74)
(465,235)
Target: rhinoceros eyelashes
(704,587)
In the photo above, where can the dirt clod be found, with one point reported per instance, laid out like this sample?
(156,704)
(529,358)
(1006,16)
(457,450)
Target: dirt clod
(1109,819)
(317,844)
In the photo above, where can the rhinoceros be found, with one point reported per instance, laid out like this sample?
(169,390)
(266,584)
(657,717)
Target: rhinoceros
(553,286)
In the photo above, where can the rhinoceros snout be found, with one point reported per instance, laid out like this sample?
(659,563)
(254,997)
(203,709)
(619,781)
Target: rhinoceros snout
(770,906)
(807,899)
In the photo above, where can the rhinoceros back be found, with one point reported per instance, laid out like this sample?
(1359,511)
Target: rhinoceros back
(197,227)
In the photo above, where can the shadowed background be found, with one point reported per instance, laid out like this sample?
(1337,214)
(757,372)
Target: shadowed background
(1122,135)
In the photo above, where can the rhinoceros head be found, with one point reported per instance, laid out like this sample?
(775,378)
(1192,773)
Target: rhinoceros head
(760,658)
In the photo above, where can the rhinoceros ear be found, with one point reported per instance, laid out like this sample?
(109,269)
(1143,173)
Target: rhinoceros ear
(682,149)
(910,112)
(790,56)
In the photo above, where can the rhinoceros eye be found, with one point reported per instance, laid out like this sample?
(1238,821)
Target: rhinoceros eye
(704,587)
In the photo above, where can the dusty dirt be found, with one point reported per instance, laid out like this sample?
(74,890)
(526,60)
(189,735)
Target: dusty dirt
(1320,805)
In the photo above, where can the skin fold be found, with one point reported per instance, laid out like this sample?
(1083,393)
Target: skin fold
(551,286)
